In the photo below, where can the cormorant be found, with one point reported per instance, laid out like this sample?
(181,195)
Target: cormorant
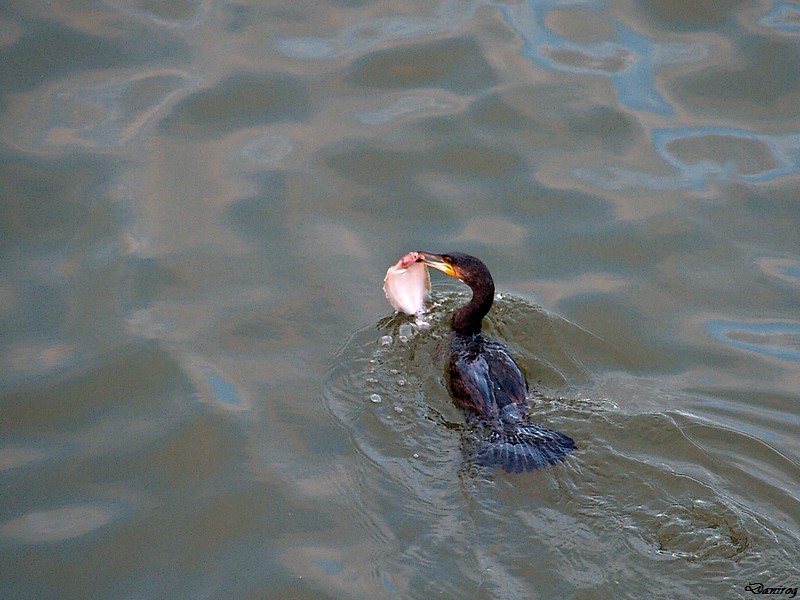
(486,382)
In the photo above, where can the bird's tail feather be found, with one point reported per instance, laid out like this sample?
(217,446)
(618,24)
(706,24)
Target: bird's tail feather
(525,448)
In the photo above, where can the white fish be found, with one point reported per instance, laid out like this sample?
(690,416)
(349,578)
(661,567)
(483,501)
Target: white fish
(407,284)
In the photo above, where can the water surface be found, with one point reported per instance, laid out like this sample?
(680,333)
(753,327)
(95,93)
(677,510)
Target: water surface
(198,202)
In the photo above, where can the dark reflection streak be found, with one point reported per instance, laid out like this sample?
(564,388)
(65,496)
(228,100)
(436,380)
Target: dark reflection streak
(48,50)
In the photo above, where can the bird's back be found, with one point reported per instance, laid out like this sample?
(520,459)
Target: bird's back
(484,378)
(486,382)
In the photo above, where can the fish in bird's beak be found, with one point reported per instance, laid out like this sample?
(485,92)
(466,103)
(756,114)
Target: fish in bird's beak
(407,285)
(438,261)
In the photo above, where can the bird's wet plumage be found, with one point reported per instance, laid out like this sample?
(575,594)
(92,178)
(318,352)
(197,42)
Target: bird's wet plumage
(487,383)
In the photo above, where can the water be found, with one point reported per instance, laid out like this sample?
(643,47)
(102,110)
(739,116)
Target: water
(199,202)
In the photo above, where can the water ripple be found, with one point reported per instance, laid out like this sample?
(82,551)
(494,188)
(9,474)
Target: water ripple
(213,386)
(785,269)
(58,524)
(705,155)
(269,148)
(630,59)
(173,14)
(403,106)
(726,152)
(776,339)
(783,16)
(107,114)
(372,33)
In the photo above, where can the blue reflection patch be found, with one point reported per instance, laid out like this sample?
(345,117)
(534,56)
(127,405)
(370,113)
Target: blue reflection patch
(785,269)
(780,149)
(631,60)
(778,339)
(783,16)
(223,390)
(330,567)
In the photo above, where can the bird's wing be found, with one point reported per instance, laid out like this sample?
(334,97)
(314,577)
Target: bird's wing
(507,378)
(488,381)
(470,385)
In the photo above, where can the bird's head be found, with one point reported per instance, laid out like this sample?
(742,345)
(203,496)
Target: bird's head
(463,267)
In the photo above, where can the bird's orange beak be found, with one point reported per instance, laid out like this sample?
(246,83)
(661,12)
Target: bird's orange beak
(437,261)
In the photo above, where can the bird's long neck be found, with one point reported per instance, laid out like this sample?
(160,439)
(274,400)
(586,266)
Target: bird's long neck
(468,318)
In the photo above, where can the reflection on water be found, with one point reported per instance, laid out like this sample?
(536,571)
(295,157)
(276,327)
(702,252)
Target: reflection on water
(781,340)
(198,202)
(58,524)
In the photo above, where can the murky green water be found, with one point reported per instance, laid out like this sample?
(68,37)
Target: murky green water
(198,202)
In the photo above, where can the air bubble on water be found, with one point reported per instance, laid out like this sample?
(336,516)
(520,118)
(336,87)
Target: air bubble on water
(398,409)
(393,371)
(375,398)
(402,338)
(371,380)
(372,361)
(415,455)
(406,330)
(386,340)
(401,381)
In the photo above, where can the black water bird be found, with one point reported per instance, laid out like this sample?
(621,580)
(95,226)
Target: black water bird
(486,382)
